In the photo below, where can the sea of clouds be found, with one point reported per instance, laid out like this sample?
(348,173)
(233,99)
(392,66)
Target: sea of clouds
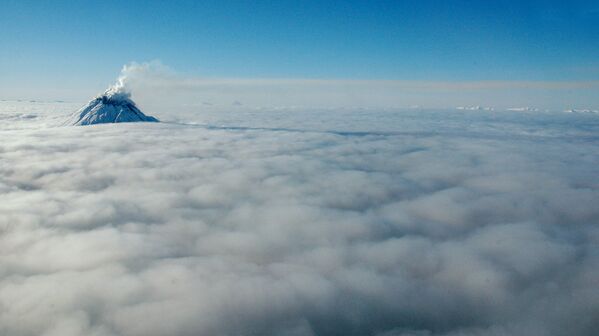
(299,222)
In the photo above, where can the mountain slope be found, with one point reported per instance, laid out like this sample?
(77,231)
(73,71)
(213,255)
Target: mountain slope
(110,107)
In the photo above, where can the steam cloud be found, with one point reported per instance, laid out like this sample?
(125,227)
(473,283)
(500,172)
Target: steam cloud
(300,223)
(129,73)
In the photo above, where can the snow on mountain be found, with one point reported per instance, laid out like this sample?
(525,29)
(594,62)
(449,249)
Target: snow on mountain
(113,106)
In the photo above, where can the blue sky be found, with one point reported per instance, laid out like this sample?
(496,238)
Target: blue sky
(85,43)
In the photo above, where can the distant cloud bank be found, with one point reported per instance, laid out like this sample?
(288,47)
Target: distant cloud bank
(156,86)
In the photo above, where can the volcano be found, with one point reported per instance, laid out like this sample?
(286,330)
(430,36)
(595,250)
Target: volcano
(113,106)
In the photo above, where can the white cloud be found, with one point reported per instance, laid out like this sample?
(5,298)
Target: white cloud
(299,222)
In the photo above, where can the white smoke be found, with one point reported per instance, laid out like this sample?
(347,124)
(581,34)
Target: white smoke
(130,73)
(120,87)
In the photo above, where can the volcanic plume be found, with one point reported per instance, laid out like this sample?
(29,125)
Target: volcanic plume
(112,106)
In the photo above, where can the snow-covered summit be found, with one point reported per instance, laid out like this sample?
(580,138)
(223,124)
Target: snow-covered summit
(113,106)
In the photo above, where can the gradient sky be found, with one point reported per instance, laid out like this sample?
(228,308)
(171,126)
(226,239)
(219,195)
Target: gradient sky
(85,43)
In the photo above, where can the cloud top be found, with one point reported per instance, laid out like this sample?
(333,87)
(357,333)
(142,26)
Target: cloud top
(452,224)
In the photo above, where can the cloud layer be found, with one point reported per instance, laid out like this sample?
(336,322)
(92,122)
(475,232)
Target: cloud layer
(159,88)
(448,223)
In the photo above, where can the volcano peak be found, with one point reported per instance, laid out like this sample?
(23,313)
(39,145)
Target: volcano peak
(113,106)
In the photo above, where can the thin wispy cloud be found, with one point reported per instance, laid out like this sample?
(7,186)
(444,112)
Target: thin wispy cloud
(155,85)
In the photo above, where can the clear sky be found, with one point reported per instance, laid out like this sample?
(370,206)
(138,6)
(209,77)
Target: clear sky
(85,43)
